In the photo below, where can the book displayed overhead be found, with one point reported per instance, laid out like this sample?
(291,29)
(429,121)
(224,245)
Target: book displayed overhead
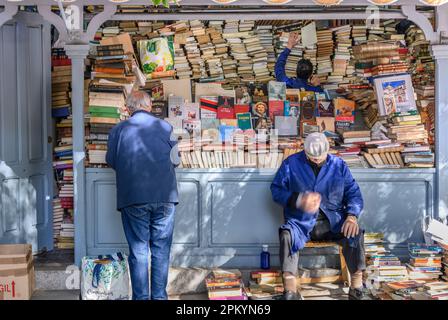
(215,81)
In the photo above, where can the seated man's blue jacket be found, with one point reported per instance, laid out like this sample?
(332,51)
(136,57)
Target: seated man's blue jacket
(294,83)
(140,151)
(340,195)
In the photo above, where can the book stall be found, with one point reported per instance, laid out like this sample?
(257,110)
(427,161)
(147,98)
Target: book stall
(214,78)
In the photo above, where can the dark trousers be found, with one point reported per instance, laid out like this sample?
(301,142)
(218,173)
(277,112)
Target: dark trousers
(354,256)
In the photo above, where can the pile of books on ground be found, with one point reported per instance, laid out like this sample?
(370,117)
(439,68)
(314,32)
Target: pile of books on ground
(425,261)
(374,244)
(265,284)
(225,285)
(400,290)
(382,265)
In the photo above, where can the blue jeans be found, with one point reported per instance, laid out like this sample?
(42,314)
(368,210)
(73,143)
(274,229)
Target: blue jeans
(149,227)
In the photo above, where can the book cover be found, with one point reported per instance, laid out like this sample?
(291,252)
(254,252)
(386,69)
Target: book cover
(292,109)
(260,109)
(261,123)
(307,111)
(241,108)
(191,125)
(395,94)
(225,107)
(226,132)
(293,95)
(209,123)
(286,126)
(345,110)
(242,95)
(307,96)
(160,109)
(208,106)
(308,128)
(175,104)
(326,124)
(259,92)
(229,122)
(190,110)
(244,120)
(276,108)
(325,108)
(277,90)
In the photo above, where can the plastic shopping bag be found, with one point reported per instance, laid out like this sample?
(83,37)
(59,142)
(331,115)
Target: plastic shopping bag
(105,278)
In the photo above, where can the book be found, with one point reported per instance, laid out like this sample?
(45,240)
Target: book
(175,104)
(276,108)
(190,110)
(325,108)
(225,108)
(286,126)
(345,110)
(326,124)
(208,106)
(277,90)
(244,120)
(259,92)
(242,95)
(160,109)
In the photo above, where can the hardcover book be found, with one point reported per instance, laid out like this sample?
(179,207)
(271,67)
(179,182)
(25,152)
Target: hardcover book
(225,107)
(209,107)
(345,110)
(244,120)
(175,104)
(259,92)
(277,90)
(276,108)
(160,109)
(325,108)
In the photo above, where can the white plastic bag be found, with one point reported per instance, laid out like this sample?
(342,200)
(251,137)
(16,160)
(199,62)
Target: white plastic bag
(105,278)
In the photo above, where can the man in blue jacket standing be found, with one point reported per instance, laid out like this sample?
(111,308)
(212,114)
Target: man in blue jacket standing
(305,78)
(143,153)
(322,202)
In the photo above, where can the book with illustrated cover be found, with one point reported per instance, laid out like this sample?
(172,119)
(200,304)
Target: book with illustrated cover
(242,95)
(190,110)
(326,124)
(325,108)
(276,108)
(225,107)
(277,90)
(345,110)
(259,92)
(175,104)
(160,109)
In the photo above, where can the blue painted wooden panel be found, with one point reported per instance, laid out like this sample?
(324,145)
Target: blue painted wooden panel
(25,124)
(9,119)
(230,213)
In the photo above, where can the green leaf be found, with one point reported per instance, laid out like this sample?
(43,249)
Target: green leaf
(156,2)
(166,3)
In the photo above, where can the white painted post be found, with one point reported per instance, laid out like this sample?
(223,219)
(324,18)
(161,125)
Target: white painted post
(440,54)
(77,54)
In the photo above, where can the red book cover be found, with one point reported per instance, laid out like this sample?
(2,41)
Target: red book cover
(226,108)
(241,108)
(276,108)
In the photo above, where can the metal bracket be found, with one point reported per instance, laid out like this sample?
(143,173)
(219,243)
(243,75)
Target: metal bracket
(420,20)
(7,14)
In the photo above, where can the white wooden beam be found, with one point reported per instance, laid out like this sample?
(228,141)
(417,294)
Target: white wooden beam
(8,13)
(98,20)
(54,19)
(422,22)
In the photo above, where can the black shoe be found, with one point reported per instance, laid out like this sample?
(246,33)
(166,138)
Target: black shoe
(359,294)
(290,295)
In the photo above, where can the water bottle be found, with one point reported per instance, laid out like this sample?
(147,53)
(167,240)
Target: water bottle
(265,258)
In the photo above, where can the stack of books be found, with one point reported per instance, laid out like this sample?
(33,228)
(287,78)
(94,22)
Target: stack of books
(111,31)
(437,290)
(111,73)
(359,34)
(58,216)
(61,78)
(383,154)
(374,244)
(225,285)
(67,234)
(324,53)
(265,285)
(342,56)
(418,155)
(128,27)
(401,290)
(425,261)
(266,36)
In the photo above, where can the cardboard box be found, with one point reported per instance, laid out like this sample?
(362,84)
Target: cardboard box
(17,279)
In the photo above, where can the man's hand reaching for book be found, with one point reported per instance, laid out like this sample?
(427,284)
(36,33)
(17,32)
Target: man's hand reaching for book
(293,39)
(350,227)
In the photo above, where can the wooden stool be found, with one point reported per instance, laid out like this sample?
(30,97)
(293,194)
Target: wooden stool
(345,275)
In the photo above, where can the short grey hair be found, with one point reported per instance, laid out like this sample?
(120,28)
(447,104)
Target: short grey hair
(138,100)
(316,144)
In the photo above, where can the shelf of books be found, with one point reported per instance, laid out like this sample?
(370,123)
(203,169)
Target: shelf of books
(214,82)
(63,223)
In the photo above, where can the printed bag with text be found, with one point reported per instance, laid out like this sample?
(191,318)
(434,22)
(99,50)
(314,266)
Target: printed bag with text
(105,278)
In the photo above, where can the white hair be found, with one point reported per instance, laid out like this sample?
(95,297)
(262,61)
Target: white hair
(138,100)
(316,144)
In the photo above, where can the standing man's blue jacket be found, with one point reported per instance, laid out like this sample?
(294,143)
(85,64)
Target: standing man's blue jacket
(139,149)
(295,83)
(339,192)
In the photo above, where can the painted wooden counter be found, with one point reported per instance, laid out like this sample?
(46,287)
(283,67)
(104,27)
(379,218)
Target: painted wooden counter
(224,216)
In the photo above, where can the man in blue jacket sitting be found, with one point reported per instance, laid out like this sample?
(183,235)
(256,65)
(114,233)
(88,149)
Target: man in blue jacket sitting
(322,202)
(143,153)
(305,80)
